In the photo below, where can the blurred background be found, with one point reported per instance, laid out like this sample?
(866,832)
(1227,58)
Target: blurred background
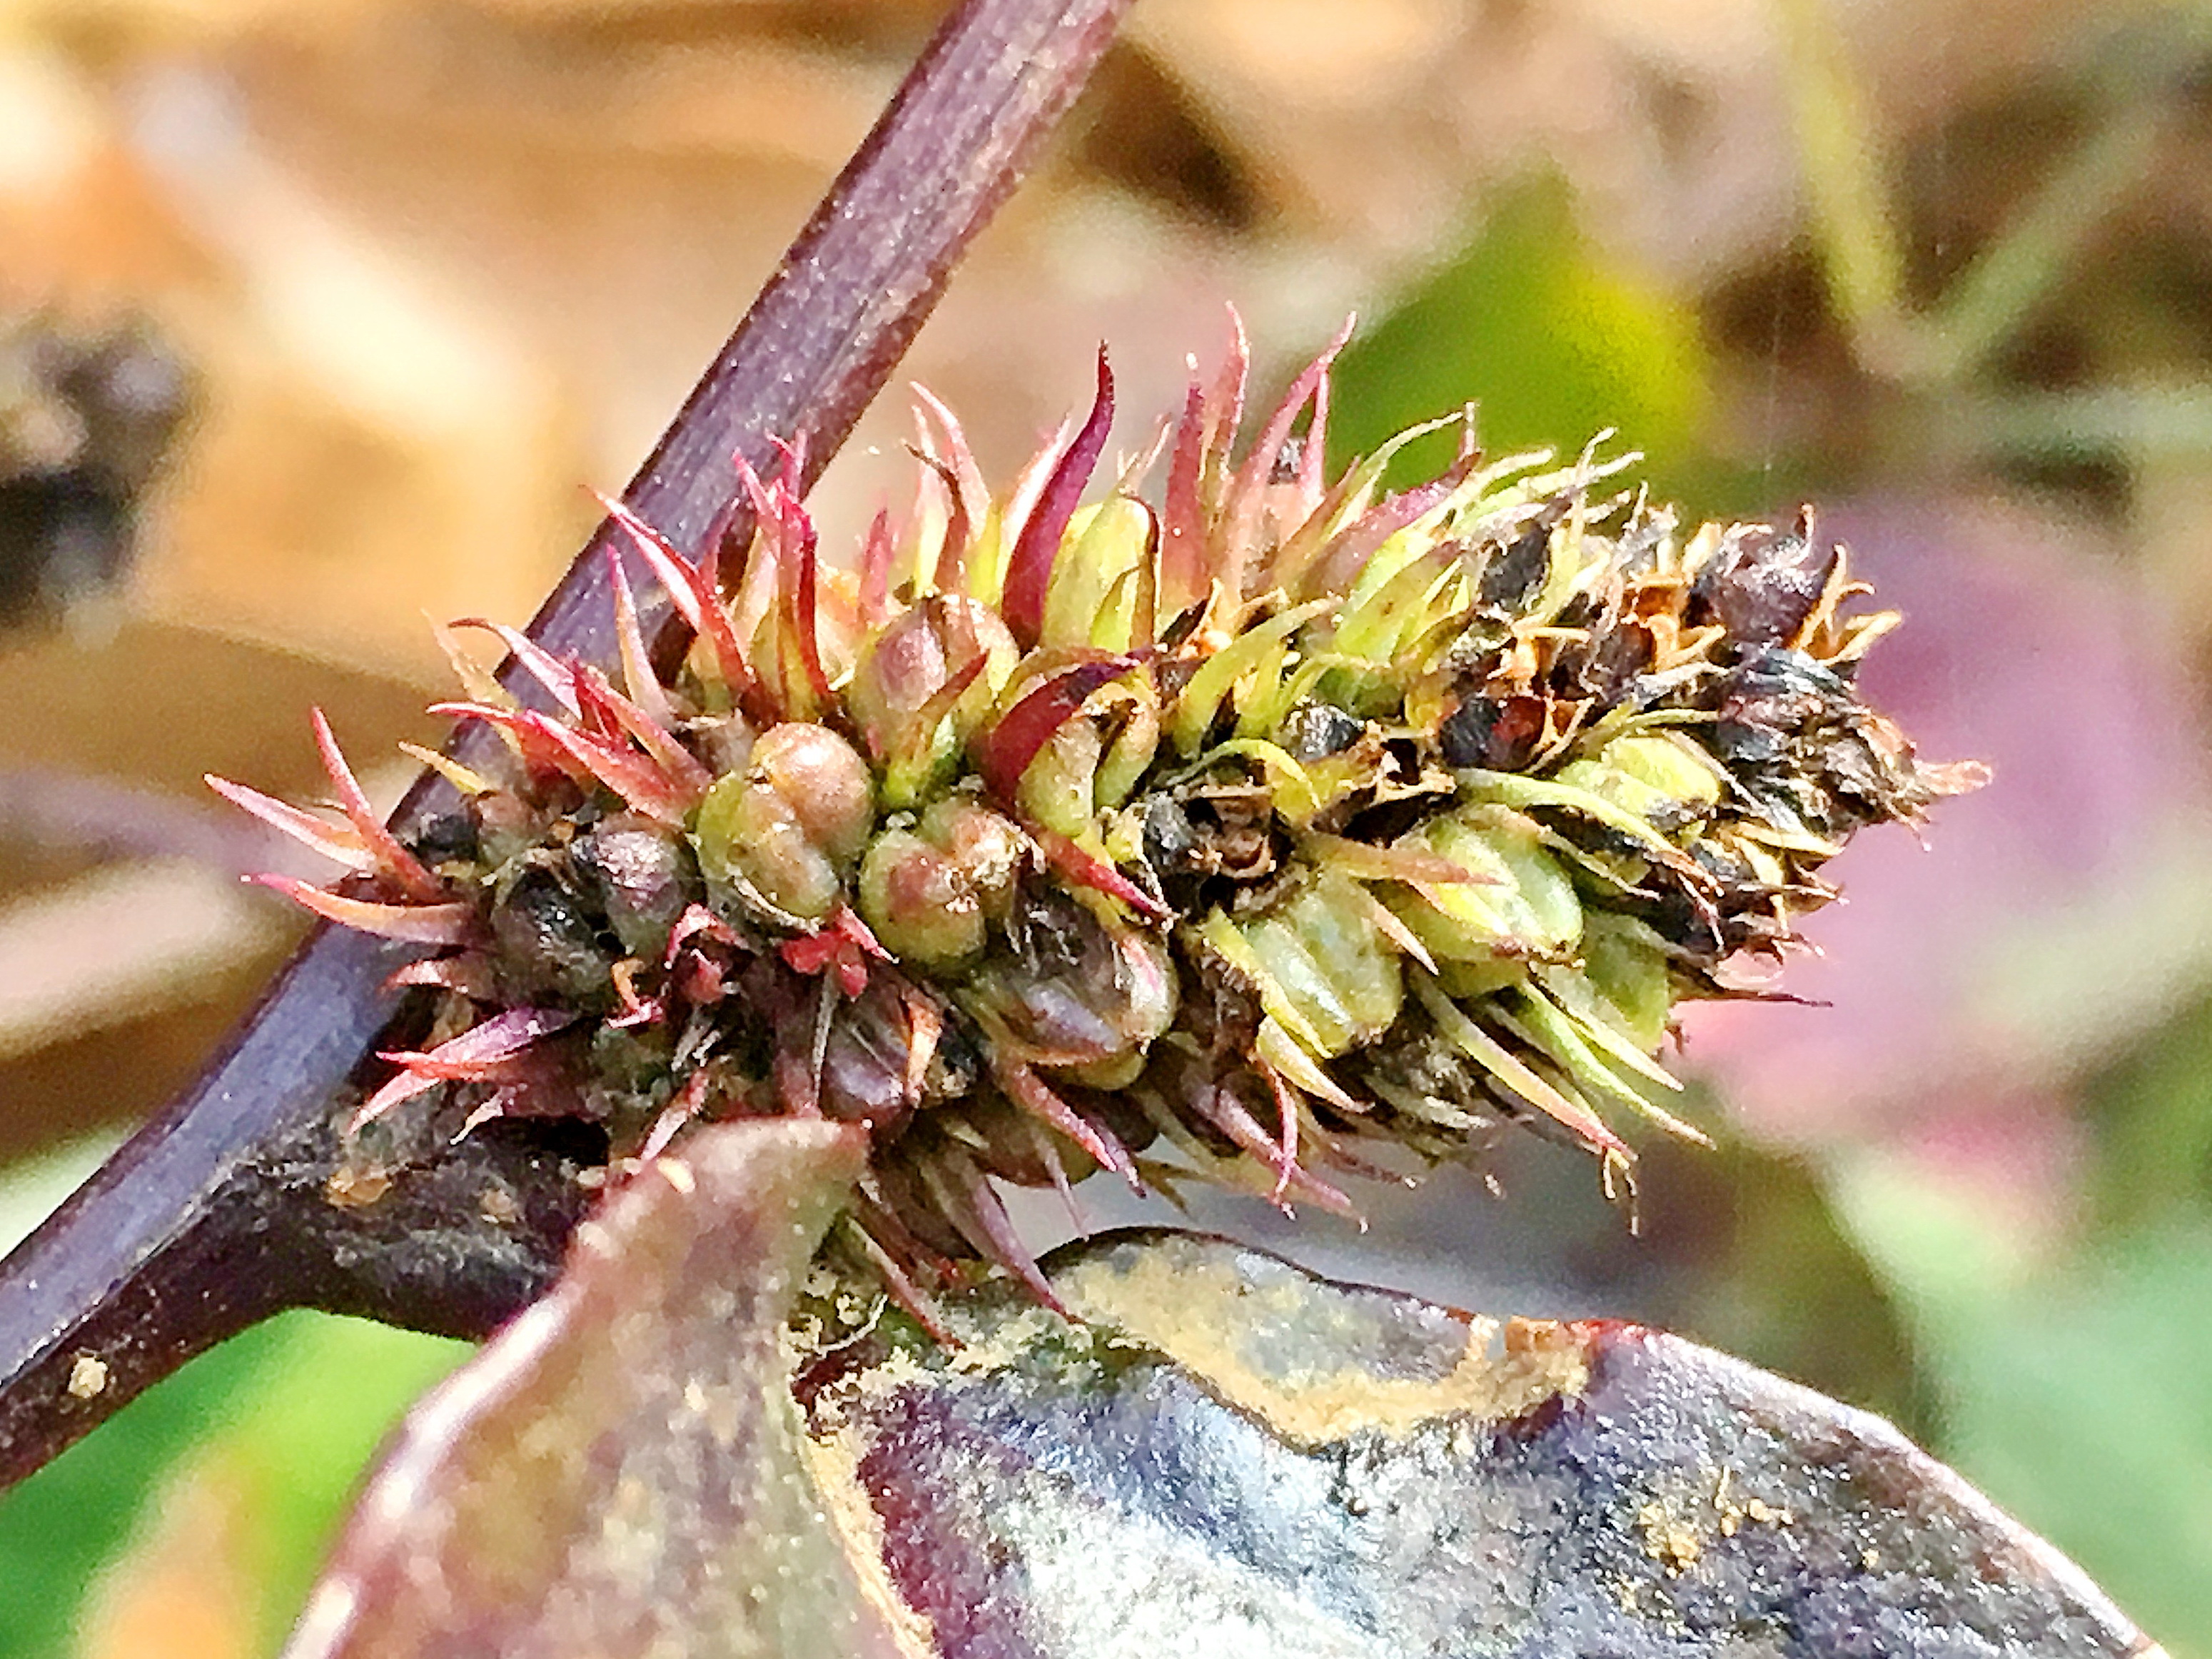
(319,318)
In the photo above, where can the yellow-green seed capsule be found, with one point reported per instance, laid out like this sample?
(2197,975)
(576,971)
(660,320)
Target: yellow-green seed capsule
(1060,789)
(918,901)
(1093,593)
(792,823)
(1624,963)
(1519,904)
(1325,960)
(1660,777)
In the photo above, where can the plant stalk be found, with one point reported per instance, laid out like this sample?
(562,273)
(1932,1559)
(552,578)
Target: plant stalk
(221,1211)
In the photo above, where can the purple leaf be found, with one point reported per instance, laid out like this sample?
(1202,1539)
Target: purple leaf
(1233,1457)
(620,1472)
(1226,1456)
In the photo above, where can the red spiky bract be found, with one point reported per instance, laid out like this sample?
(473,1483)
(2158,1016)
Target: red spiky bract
(1031,723)
(1029,569)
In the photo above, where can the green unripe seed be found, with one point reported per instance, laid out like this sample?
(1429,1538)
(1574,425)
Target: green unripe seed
(792,823)
(918,902)
(1330,963)
(1526,905)
(987,847)
(1626,964)
(908,663)
(746,831)
(1092,596)
(1656,776)
(1060,789)
(825,782)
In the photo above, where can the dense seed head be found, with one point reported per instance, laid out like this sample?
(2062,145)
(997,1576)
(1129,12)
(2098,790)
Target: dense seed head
(1208,835)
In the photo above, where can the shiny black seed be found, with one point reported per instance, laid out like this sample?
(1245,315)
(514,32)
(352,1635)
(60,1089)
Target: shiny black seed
(1315,731)
(449,838)
(548,941)
(1466,732)
(956,1068)
(1513,573)
(1762,584)
(1184,625)
(1485,733)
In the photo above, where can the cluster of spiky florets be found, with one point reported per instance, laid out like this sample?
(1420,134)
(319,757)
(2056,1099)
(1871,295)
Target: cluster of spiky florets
(1204,839)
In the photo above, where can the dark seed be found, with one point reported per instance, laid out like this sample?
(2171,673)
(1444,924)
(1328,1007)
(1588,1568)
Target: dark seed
(1499,736)
(1511,575)
(1170,836)
(1771,697)
(1184,625)
(1762,584)
(1615,658)
(643,876)
(450,838)
(864,1064)
(1314,731)
(548,941)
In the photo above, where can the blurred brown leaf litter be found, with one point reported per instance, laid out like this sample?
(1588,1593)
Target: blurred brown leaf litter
(435,266)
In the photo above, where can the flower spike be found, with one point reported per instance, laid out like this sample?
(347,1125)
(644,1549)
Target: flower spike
(1221,829)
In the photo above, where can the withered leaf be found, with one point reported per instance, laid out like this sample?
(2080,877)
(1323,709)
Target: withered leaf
(1225,1455)
(618,1473)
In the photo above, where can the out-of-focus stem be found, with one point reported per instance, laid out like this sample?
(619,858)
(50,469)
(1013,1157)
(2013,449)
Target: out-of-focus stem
(1845,183)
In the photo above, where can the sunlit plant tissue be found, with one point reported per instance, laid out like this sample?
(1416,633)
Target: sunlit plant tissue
(1220,829)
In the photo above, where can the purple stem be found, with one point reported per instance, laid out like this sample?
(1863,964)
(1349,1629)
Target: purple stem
(216,1214)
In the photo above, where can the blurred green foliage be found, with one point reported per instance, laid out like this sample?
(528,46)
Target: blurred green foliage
(304,1435)
(1552,344)
(2152,1112)
(64,1525)
(1775,1276)
(2070,1387)
(2080,1404)
(290,1411)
